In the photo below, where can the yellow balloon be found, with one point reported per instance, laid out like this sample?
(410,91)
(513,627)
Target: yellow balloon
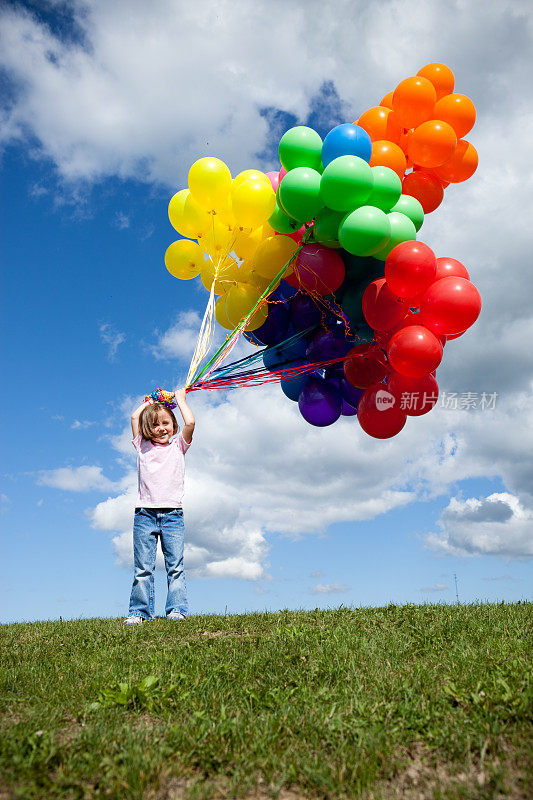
(249,173)
(210,182)
(246,242)
(272,254)
(220,313)
(239,300)
(224,214)
(186,216)
(226,274)
(267,230)
(247,274)
(253,202)
(217,240)
(184,259)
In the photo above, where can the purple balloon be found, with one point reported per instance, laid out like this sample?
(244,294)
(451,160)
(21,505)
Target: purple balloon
(320,403)
(275,326)
(347,409)
(324,346)
(352,394)
(304,313)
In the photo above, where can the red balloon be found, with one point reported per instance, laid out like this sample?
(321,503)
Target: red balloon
(379,414)
(450,306)
(410,268)
(415,396)
(382,309)
(382,337)
(319,269)
(447,267)
(426,187)
(454,335)
(414,351)
(364,365)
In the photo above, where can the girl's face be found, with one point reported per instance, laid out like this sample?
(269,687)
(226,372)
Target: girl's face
(163,428)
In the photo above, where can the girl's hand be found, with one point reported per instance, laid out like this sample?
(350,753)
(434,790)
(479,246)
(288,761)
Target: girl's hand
(179,394)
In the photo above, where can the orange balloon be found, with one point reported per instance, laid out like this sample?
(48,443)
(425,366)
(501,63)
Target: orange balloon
(426,187)
(432,143)
(414,100)
(458,111)
(381,123)
(388,154)
(387,100)
(440,76)
(431,172)
(461,165)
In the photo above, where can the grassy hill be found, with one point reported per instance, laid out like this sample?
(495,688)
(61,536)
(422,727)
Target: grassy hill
(412,702)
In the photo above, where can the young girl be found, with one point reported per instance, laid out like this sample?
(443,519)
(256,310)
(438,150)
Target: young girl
(160,471)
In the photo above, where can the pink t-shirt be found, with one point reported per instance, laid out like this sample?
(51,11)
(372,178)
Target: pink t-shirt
(160,472)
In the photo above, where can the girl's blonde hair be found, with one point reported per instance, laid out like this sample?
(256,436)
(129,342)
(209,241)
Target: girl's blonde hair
(148,420)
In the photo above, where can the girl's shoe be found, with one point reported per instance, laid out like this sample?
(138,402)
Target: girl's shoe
(177,616)
(133,619)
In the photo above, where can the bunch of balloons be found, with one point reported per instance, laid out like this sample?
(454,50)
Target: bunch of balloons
(319,263)
(421,125)
(228,219)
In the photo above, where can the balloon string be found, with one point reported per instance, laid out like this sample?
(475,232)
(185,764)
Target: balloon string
(259,376)
(207,328)
(231,340)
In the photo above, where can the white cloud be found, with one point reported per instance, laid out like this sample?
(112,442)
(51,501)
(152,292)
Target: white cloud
(329,588)
(437,587)
(79,425)
(121,221)
(179,340)
(179,81)
(112,338)
(495,525)
(76,479)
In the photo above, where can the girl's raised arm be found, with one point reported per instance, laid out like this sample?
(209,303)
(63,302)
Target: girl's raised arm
(186,413)
(135,417)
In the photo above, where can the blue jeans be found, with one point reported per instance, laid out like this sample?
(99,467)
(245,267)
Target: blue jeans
(148,525)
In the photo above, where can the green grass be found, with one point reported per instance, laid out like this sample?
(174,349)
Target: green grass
(402,701)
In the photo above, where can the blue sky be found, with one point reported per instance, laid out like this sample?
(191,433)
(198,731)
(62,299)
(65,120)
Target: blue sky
(278,514)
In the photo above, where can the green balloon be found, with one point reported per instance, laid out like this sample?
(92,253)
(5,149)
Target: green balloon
(346,183)
(280,204)
(326,227)
(282,223)
(401,230)
(412,208)
(299,193)
(365,231)
(351,304)
(387,188)
(300,147)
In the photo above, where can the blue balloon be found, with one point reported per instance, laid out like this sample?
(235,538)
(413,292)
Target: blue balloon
(285,355)
(251,338)
(285,290)
(292,387)
(346,140)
